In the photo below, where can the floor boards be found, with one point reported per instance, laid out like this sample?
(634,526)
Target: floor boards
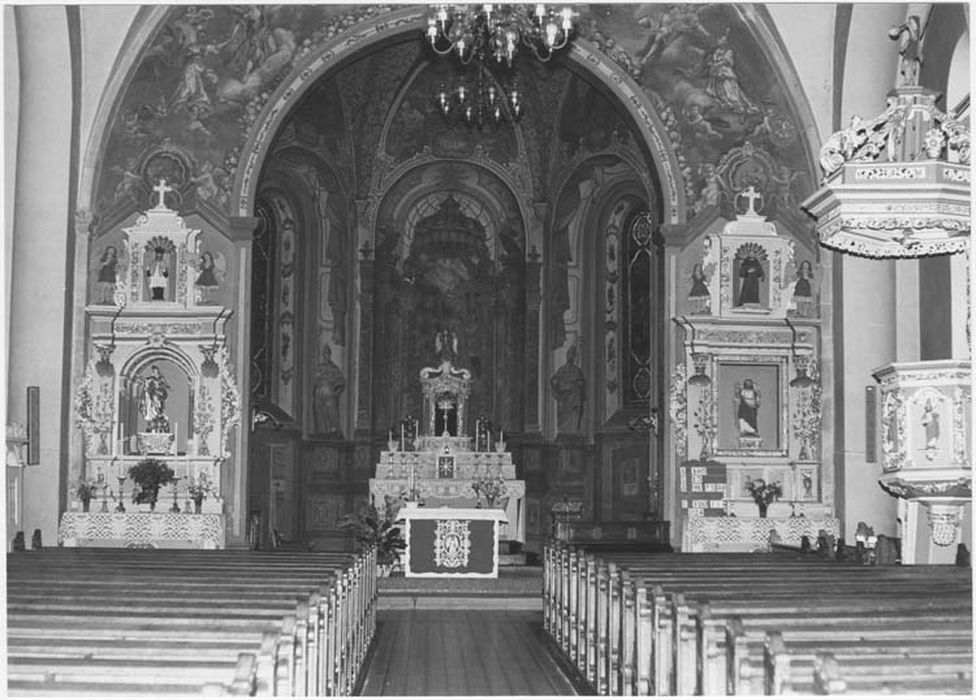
(462,652)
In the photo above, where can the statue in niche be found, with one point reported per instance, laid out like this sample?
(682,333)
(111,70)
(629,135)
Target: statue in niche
(328,388)
(569,389)
(751,273)
(108,266)
(930,422)
(152,401)
(747,399)
(158,275)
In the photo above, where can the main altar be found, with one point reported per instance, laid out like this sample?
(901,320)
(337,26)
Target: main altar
(435,466)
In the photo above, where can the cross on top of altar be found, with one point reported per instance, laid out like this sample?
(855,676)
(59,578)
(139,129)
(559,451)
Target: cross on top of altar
(161,189)
(752,195)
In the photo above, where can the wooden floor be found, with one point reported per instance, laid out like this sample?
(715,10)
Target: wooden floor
(462,652)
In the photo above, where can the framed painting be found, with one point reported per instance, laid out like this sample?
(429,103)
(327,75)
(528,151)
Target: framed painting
(750,405)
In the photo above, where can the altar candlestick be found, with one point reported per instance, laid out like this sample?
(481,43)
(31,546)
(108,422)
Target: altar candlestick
(501,435)
(176,437)
(401,438)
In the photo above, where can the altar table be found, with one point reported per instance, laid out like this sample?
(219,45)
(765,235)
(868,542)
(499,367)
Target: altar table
(728,534)
(451,542)
(143,530)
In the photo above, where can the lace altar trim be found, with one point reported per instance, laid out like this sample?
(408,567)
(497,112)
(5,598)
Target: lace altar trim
(204,531)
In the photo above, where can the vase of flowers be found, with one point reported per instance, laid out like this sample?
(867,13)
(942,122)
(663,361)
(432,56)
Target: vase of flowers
(490,488)
(85,490)
(199,489)
(764,494)
(149,476)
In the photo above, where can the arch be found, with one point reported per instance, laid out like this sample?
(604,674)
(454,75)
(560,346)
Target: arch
(363,35)
(145,356)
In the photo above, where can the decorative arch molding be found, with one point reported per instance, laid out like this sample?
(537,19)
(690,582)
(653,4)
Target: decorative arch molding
(381,207)
(375,30)
(144,357)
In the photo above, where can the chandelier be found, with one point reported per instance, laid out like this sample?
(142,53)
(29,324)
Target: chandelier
(477,33)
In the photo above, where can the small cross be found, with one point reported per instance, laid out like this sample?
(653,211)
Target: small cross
(162,189)
(753,196)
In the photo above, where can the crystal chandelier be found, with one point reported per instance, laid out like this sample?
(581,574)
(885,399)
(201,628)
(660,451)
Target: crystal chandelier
(473,34)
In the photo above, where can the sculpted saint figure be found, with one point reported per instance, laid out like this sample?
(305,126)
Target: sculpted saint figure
(568,387)
(329,385)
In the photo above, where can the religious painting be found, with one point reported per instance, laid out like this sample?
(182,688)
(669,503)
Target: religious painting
(805,289)
(749,404)
(211,268)
(108,267)
(750,273)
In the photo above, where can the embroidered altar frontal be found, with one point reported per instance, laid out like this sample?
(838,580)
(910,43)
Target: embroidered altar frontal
(452,542)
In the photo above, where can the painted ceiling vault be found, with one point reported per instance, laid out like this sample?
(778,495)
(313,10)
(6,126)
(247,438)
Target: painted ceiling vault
(199,89)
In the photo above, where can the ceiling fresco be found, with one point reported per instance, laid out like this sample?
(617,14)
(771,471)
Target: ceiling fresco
(208,72)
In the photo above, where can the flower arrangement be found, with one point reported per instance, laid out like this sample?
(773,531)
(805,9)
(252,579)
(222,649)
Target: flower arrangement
(370,526)
(764,494)
(201,487)
(85,489)
(149,475)
(491,488)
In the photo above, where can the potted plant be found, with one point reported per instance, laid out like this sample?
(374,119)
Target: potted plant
(371,526)
(199,489)
(85,490)
(149,475)
(764,494)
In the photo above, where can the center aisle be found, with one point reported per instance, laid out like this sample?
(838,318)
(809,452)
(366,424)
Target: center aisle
(462,652)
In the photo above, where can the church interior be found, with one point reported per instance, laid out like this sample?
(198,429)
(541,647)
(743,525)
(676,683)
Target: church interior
(548,284)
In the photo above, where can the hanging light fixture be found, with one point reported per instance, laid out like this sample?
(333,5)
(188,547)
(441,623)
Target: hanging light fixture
(492,34)
(485,103)
(700,360)
(478,31)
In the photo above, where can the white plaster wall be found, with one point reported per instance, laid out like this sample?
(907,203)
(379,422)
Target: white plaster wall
(807,31)
(870,298)
(103,30)
(11,105)
(40,224)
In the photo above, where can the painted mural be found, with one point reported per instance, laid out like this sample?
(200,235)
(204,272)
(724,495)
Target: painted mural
(210,69)
(201,84)
(715,92)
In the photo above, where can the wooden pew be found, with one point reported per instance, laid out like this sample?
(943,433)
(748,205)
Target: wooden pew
(336,619)
(579,604)
(839,675)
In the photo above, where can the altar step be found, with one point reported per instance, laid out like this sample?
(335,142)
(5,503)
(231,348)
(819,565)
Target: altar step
(516,588)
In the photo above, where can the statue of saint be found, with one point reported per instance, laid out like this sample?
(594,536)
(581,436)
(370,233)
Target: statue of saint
(748,399)
(158,275)
(152,401)
(568,387)
(751,272)
(329,385)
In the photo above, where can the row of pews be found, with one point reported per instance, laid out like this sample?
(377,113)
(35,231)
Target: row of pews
(125,622)
(757,624)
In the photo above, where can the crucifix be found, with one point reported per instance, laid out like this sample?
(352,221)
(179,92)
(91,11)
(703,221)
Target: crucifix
(753,196)
(162,189)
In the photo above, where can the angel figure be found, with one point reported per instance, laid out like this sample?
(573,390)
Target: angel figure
(909,38)
(783,188)
(210,273)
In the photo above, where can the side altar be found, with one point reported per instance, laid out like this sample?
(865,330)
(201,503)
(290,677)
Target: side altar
(439,465)
(159,402)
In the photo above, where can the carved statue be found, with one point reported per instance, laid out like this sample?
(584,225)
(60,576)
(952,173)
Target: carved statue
(329,385)
(152,401)
(751,272)
(158,275)
(569,389)
(909,36)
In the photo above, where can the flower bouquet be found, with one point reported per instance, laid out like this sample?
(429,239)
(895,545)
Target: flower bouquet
(199,489)
(764,494)
(85,490)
